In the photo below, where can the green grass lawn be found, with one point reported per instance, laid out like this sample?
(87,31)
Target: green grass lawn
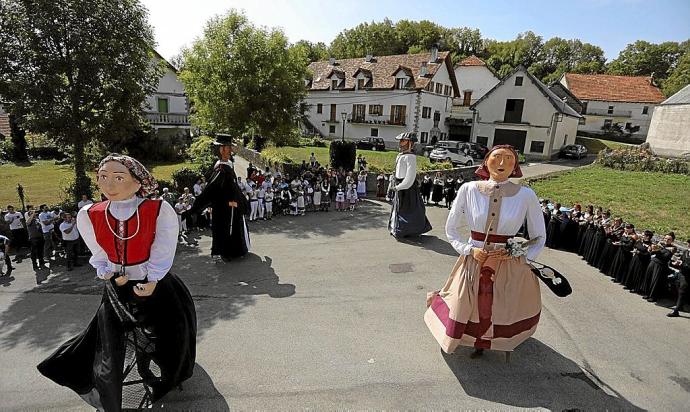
(594,146)
(653,201)
(377,161)
(44,181)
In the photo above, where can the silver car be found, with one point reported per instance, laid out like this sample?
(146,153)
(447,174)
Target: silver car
(450,151)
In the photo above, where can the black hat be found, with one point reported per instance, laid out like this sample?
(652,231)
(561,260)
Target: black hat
(222,139)
(411,136)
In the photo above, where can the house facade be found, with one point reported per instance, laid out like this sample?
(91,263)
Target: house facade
(5,130)
(474,79)
(669,130)
(623,102)
(168,108)
(382,96)
(521,111)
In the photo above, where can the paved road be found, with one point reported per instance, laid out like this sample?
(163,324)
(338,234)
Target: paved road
(327,312)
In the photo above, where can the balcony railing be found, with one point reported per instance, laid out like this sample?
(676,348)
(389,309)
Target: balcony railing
(606,112)
(176,119)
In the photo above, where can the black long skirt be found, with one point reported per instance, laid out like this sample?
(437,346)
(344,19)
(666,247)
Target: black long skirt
(595,248)
(636,272)
(553,234)
(569,236)
(620,265)
(133,351)
(656,279)
(606,257)
(437,194)
(408,214)
(587,239)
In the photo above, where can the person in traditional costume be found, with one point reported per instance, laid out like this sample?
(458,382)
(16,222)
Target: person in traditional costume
(634,280)
(683,265)
(613,234)
(623,255)
(229,228)
(492,298)
(450,191)
(658,269)
(425,188)
(381,186)
(408,214)
(437,191)
(142,340)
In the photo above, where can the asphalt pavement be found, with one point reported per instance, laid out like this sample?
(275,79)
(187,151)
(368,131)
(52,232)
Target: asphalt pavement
(326,313)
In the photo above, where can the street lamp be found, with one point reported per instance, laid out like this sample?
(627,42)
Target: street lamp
(344,116)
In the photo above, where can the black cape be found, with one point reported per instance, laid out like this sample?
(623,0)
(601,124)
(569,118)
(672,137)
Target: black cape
(229,240)
(155,335)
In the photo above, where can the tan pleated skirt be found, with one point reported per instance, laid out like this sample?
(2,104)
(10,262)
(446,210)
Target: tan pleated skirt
(495,307)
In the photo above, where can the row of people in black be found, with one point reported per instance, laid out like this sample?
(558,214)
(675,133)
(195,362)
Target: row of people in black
(642,264)
(439,189)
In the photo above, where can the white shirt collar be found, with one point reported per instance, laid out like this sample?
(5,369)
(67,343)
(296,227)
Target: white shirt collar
(493,182)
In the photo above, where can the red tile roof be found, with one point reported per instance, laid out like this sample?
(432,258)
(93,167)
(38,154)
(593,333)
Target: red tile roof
(607,88)
(471,61)
(382,69)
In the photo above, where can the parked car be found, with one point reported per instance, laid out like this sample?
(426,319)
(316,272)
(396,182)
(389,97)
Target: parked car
(576,151)
(457,153)
(478,150)
(371,143)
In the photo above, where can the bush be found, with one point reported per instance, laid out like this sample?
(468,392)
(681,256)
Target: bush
(152,147)
(165,183)
(343,154)
(314,141)
(641,160)
(48,152)
(185,177)
(202,152)
(6,149)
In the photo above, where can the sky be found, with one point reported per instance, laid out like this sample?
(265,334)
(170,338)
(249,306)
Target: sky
(609,24)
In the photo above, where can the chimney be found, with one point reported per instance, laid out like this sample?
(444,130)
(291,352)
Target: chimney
(423,71)
(331,61)
(434,54)
(369,58)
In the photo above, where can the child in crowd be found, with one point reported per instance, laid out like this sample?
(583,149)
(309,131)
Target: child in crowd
(352,197)
(326,198)
(253,202)
(268,202)
(391,188)
(340,199)
(261,195)
(285,200)
(300,201)
(180,207)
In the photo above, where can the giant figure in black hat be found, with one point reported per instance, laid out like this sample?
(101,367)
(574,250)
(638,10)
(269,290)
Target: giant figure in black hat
(229,205)
(408,214)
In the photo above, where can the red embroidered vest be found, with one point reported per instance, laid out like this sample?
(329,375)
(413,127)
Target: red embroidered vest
(130,252)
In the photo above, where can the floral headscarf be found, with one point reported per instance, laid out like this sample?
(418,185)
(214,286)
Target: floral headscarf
(138,171)
(483,171)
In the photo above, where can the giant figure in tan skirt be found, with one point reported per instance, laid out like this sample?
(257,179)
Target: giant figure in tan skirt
(492,298)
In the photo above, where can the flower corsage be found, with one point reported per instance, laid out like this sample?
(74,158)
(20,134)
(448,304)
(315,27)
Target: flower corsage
(518,246)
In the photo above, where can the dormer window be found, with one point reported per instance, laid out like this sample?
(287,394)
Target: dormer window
(361,83)
(400,83)
(334,84)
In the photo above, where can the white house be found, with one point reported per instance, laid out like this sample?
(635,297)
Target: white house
(382,96)
(669,131)
(474,79)
(626,101)
(521,111)
(168,108)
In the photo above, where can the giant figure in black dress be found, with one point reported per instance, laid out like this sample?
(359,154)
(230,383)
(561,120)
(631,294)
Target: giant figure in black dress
(229,205)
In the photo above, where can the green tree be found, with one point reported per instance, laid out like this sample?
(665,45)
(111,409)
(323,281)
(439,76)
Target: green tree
(313,51)
(244,80)
(76,70)
(679,78)
(643,58)
(379,39)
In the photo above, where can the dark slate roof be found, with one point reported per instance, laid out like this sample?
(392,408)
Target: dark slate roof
(681,97)
(556,102)
(562,92)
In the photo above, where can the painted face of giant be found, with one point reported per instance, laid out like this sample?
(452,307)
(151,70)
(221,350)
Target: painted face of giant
(501,163)
(116,182)
(225,152)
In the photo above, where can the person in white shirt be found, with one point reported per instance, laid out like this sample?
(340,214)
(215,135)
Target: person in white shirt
(180,207)
(261,195)
(491,288)
(70,240)
(197,188)
(84,201)
(5,255)
(408,214)
(19,235)
(268,202)
(47,220)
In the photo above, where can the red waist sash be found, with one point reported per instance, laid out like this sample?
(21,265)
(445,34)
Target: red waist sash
(481,237)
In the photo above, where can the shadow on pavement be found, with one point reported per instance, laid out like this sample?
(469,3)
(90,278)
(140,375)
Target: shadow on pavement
(333,223)
(431,242)
(198,393)
(536,377)
(62,305)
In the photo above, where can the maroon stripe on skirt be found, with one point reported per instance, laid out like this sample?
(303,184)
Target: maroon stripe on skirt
(455,329)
